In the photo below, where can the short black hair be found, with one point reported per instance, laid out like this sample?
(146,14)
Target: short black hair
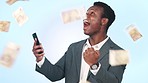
(108,12)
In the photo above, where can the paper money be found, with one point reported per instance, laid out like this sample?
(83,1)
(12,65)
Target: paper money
(118,57)
(10,2)
(4,26)
(73,15)
(9,54)
(133,32)
(82,12)
(84,81)
(20,16)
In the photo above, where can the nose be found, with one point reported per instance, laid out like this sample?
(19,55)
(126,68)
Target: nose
(87,15)
(86,18)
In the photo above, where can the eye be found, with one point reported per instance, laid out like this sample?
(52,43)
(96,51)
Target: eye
(92,13)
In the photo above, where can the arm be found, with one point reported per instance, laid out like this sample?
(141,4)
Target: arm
(52,72)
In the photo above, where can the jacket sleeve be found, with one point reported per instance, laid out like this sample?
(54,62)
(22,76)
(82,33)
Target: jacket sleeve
(52,72)
(111,75)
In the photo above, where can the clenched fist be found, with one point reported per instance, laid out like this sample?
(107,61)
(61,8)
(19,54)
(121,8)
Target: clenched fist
(91,56)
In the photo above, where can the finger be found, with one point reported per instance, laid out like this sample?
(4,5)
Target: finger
(34,45)
(88,50)
(84,54)
(35,40)
(98,52)
(37,47)
(39,55)
(91,49)
(39,58)
(38,51)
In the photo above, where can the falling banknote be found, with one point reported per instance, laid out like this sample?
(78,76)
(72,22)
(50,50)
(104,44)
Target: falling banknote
(73,15)
(133,32)
(10,2)
(4,26)
(20,16)
(9,54)
(82,12)
(118,57)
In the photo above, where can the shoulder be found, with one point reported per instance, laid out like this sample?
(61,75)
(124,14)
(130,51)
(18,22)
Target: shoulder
(113,45)
(78,43)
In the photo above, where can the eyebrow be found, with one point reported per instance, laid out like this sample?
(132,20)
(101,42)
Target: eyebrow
(90,10)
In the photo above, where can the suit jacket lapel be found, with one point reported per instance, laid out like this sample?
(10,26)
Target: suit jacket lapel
(105,49)
(78,57)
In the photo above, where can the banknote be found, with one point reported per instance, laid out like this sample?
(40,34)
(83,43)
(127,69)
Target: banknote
(4,26)
(118,57)
(82,12)
(9,54)
(73,15)
(133,32)
(70,16)
(20,16)
(10,2)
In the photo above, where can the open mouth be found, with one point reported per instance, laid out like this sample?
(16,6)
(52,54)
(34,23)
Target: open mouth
(86,23)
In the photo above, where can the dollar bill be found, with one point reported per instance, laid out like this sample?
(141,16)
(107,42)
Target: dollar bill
(4,26)
(10,2)
(133,32)
(118,57)
(20,16)
(9,54)
(73,15)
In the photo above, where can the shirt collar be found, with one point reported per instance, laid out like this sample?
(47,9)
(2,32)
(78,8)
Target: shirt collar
(96,46)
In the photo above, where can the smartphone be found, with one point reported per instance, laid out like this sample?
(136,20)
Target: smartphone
(37,43)
(35,37)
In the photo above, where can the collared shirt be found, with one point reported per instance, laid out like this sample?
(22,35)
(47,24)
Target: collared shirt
(84,66)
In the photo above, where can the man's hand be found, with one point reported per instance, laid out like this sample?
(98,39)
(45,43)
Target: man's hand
(38,51)
(91,56)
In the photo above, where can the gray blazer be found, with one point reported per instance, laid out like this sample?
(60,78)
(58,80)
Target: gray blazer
(69,65)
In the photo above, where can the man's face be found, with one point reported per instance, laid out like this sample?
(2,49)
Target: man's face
(92,23)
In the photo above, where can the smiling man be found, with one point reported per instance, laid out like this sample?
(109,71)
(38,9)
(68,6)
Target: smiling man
(86,60)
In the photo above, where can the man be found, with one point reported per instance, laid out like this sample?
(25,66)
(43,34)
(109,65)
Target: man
(87,59)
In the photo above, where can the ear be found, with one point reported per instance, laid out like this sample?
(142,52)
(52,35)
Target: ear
(104,21)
